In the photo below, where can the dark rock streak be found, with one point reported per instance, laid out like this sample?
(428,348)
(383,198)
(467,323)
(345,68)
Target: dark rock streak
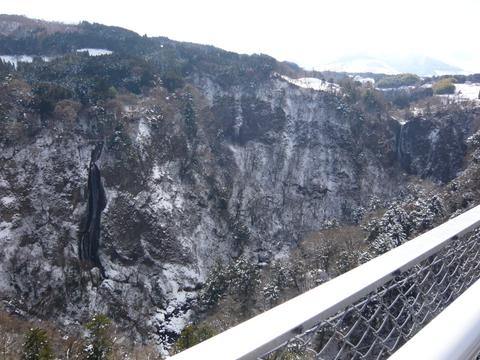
(90,236)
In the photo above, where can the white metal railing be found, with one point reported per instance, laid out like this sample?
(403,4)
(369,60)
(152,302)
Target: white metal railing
(453,335)
(368,312)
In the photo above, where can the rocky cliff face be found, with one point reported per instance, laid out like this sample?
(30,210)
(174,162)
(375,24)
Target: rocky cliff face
(434,145)
(210,171)
(208,175)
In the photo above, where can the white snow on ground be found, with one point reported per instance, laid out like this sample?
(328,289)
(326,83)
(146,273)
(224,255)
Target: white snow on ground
(174,318)
(5,229)
(400,120)
(143,135)
(312,83)
(15,59)
(417,111)
(178,323)
(157,174)
(4,184)
(165,195)
(9,248)
(405,87)
(95,52)
(467,90)
(7,200)
(434,136)
(364,80)
(463,92)
(166,201)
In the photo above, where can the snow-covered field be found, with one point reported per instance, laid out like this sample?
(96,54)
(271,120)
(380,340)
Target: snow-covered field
(468,90)
(15,59)
(364,80)
(312,83)
(405,87)
(463,92)
(95,52)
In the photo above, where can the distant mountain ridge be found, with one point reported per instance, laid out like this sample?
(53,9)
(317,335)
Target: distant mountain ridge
(417,64)
(20,26)
(21,35)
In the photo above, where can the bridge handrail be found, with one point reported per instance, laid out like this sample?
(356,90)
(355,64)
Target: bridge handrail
(267,331)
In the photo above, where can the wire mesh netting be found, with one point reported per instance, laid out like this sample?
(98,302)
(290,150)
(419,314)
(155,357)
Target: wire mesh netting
(377,325)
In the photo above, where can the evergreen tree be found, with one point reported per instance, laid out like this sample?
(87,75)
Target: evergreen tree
(36,346)
(99,342)
(193,335)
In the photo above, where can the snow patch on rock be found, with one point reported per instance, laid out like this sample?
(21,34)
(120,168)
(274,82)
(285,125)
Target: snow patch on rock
(143,134)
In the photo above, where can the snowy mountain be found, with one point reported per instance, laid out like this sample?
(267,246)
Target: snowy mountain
(360,65)
(416,64)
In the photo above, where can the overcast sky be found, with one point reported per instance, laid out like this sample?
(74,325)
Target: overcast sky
(309,32)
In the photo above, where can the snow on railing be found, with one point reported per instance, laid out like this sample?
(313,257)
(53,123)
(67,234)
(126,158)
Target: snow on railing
(366,313)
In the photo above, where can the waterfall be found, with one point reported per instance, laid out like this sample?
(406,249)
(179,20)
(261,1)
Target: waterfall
(90,235)
(400,136)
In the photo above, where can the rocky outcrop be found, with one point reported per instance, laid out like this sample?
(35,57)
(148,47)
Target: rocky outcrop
(433,146)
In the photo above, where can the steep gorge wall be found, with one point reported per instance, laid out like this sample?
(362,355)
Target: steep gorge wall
(434,146)
(302,158)
(208,174)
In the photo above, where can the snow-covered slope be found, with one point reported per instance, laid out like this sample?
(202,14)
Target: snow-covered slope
(313,83)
